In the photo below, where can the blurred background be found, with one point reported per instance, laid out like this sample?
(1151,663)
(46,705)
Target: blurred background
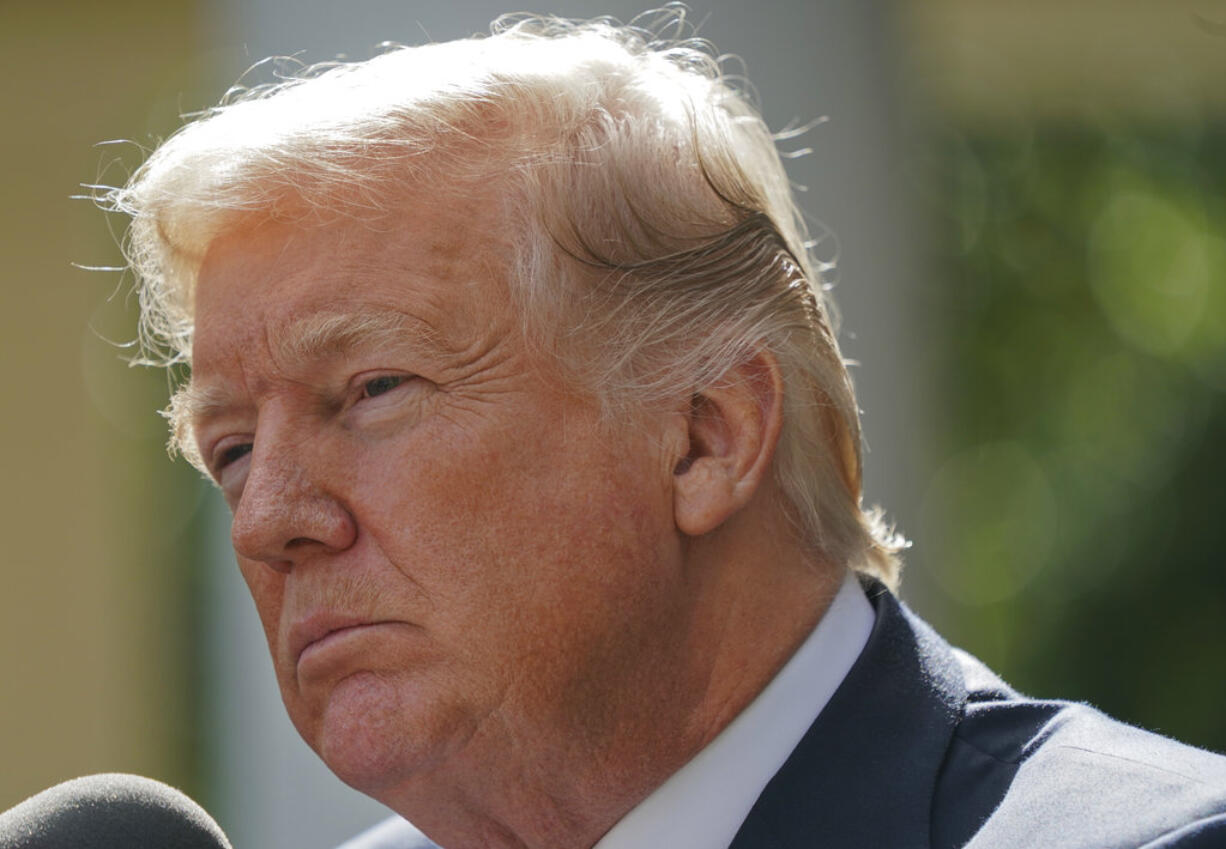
(1028,209)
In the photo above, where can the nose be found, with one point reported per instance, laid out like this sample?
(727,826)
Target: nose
(286,512)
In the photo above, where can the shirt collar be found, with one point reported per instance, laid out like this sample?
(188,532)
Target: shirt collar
(703,804)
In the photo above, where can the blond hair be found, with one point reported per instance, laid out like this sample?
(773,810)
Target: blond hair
(658,244)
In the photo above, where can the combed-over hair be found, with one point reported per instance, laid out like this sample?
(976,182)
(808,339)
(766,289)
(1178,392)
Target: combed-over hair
(657,244)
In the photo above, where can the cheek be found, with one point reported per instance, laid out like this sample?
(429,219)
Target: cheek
(517,542)
(492,516)
(521,537)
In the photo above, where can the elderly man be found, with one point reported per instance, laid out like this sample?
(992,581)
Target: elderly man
(510,361)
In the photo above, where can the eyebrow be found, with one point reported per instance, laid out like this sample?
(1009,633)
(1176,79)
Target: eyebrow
(325,334)
(314,337)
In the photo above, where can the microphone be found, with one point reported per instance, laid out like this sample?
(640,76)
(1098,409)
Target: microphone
(110,811)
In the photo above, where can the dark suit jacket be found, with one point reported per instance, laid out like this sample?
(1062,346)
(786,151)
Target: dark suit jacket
(922,747)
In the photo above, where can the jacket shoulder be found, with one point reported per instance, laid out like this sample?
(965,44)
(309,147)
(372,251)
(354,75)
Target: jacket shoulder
(1066,776)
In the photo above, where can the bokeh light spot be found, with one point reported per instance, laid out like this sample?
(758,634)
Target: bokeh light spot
(1150,268)
(990,516)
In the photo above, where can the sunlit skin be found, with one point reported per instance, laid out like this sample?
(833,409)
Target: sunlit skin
(502,620)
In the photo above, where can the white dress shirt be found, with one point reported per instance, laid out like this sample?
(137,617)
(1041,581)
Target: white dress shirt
(704,803)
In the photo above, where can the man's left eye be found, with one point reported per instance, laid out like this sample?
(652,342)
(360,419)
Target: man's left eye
(379,385)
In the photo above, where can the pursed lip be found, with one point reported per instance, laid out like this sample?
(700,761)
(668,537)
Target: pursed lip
(305,632)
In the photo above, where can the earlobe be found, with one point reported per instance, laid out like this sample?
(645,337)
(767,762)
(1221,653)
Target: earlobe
(732,429)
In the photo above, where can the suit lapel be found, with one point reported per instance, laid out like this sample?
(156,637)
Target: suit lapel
(864,773)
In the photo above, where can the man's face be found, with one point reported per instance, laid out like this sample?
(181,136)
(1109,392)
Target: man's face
(448,556)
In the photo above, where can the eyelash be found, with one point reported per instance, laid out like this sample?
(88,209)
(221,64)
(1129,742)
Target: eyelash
(233,454)
(385,383)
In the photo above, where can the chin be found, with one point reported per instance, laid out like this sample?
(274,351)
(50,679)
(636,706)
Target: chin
(375,737)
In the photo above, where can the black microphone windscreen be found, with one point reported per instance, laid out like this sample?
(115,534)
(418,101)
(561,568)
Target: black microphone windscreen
(108,812)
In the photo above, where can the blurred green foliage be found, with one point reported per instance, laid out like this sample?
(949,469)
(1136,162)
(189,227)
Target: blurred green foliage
(1074,522)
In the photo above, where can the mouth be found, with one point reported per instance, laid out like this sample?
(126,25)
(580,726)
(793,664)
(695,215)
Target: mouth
(319,628)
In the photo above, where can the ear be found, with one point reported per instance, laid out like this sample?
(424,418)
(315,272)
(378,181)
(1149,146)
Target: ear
(732,429)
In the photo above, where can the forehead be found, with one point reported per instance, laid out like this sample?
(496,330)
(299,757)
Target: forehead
(278,286)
